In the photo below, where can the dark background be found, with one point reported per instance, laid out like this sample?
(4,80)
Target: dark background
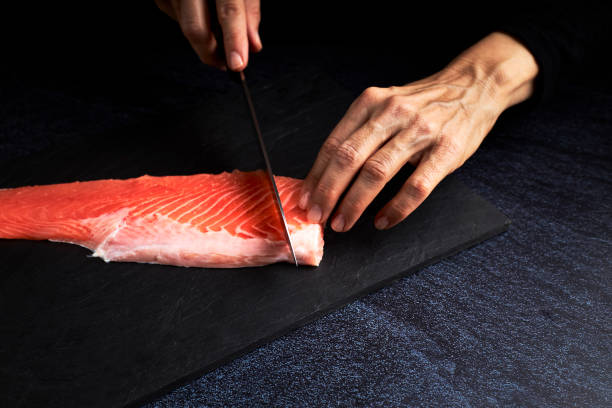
(132,54)
(73,40)
(523,319)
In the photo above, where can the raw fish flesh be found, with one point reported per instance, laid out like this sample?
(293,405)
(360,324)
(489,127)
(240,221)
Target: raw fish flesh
(222,220)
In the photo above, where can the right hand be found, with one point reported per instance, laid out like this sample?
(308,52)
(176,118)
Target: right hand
(239,20)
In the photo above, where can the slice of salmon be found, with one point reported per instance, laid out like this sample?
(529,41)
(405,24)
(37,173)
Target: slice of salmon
(222,220)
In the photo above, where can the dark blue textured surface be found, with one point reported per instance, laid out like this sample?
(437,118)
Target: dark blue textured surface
(523,319)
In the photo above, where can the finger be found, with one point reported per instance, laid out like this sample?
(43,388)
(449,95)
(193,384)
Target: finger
(356,115)
(253,13)
(194,19)
(176,6)
(433,167)
(232,17)
(166,7)
(381,167)
(348,158)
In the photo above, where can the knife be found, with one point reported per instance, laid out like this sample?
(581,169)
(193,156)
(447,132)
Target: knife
(264,153)
(239,77)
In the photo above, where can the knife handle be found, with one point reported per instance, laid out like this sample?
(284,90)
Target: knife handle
(215,28)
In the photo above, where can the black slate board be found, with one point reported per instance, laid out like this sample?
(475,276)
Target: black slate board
(75,331)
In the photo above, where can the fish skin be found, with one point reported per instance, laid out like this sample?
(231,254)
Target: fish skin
(224,220)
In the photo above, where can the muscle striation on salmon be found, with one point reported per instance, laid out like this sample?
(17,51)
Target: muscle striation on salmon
(225,220)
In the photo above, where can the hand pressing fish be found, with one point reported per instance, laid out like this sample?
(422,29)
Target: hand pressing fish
(225,220)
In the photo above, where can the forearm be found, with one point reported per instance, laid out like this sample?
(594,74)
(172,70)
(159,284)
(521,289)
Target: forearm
(502,65)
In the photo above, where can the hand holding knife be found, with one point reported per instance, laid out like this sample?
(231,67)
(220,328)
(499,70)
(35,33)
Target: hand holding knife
(239,20)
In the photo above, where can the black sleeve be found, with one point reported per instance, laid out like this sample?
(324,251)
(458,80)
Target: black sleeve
(564,39)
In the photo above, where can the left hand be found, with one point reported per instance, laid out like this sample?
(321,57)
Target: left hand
(436,124)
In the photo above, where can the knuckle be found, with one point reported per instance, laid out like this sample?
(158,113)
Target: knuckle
(399,107)
(324,192)
(347,155)
(228,10)
(402,109)
(371,94)
(398,210)
(376,170)
(419,189)
(422,126)
(420,121)
(328,148)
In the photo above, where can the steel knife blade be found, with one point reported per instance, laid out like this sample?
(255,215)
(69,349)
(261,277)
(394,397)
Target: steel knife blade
(270,173)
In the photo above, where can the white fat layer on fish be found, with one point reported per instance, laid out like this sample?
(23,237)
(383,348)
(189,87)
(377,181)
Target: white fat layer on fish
(160,239)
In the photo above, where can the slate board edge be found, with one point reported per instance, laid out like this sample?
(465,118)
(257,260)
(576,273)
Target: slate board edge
(315,316)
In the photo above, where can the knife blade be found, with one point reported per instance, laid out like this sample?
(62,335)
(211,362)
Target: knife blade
(270,173)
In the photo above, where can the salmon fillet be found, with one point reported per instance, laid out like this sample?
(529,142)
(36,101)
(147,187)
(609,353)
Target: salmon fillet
(222,220)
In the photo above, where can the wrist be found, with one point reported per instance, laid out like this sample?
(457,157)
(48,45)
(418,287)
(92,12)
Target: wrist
(501,65)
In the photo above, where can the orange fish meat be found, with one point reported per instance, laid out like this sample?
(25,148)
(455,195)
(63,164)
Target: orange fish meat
(222,220)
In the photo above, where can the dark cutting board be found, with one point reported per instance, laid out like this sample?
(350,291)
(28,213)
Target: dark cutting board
(75,331)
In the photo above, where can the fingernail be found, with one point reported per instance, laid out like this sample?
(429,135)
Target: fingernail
(235,60)
(314,215)
(304,200)
(381,223)
(258,41)
(338,223)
